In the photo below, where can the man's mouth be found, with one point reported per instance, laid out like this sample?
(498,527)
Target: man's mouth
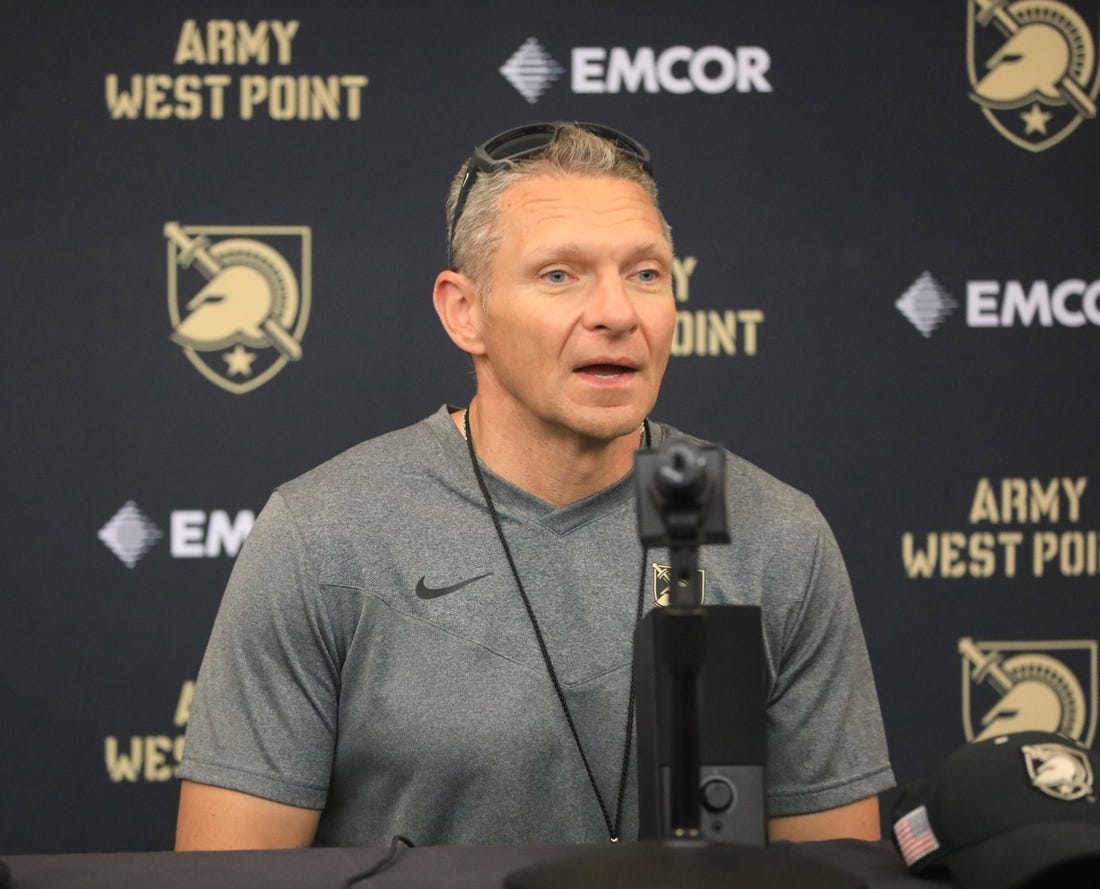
(606,371)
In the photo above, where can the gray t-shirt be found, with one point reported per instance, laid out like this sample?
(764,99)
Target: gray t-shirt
(372,656)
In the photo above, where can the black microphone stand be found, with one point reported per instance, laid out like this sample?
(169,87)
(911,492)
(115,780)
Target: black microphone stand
(671,483)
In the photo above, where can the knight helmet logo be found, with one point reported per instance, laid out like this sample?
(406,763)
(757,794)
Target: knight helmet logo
(1058,771)
(1012,687)
(242,295)
(662,584)
(1032,67)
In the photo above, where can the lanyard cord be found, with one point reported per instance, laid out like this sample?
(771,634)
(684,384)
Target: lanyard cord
(612,826)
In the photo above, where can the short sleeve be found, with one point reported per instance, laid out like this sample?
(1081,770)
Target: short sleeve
(826,744)
(264,715)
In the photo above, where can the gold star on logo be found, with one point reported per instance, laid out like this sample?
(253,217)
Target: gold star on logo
(1035,121)
(239,361)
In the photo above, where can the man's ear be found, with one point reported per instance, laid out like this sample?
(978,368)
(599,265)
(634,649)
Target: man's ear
(459,308)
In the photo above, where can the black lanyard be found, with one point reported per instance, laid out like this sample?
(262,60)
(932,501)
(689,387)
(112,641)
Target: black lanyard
(612,826)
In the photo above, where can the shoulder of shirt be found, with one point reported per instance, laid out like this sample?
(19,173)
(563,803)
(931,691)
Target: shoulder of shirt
(370,466)
(747,483)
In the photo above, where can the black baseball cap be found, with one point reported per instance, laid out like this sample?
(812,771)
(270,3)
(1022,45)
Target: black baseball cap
(1004,813)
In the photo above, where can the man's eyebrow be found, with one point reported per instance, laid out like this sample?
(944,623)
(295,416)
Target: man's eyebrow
(653,249)
(551,252)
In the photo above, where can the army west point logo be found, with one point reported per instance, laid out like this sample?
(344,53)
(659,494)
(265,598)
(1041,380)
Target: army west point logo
(239,299)
(1032,67)
(1029,686)
(1059,771)
(662,583)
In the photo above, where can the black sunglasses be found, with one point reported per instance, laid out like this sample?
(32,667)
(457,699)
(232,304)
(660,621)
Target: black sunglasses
(528,141)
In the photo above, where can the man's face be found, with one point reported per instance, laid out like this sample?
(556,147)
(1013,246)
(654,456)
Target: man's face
(578,321)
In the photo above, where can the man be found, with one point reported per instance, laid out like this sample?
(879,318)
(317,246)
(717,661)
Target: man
(430,635)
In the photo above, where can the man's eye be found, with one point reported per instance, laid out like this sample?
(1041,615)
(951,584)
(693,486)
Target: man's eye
(557,276)
(648,276)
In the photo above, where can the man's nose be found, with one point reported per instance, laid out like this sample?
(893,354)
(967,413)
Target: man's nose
(610,305)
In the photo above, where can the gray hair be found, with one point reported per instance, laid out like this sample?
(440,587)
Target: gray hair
(575,152)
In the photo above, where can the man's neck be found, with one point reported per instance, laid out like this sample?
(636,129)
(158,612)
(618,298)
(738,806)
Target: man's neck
(559,468)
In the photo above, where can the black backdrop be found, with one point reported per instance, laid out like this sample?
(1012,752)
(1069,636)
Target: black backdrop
(824,167)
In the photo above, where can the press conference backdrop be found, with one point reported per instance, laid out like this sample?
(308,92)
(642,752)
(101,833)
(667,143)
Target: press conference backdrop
(888,292)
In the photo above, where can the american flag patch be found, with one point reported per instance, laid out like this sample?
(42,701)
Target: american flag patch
(915,837)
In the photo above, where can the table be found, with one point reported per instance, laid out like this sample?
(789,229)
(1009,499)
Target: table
(431,867)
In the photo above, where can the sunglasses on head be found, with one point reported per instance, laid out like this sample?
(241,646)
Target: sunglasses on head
(526,141)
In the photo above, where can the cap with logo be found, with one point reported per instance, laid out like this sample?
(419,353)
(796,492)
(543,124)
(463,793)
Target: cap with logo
(1012,811)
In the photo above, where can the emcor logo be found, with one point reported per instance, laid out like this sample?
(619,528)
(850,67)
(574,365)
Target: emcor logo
(194,533)
(1073,302)
(677,69)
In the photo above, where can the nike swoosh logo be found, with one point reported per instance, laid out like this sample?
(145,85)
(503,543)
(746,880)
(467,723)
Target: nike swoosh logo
(426,592)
